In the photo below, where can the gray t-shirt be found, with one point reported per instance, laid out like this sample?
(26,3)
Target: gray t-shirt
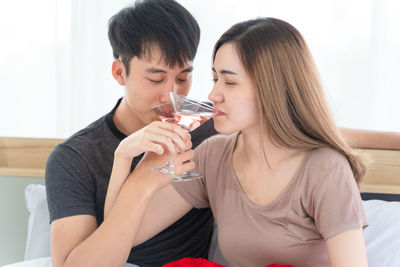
(320,201)
(77,176)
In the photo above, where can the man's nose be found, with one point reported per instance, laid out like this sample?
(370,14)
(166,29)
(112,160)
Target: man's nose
(169,87)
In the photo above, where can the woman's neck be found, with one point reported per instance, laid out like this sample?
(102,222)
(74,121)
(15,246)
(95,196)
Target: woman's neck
(253,150)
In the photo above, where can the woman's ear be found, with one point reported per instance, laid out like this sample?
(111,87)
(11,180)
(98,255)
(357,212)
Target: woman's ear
(118,71)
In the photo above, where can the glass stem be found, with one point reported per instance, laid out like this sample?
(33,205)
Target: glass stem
(171,161)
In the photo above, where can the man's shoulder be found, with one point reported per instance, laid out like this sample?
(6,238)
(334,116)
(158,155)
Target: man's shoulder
(203,132)
(93,137)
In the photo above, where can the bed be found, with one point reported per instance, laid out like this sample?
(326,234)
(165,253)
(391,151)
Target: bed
(380,191)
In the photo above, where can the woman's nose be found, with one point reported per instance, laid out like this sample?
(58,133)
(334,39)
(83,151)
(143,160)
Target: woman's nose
(215,96)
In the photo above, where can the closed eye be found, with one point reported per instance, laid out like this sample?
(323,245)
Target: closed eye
(155,81)
(230,83)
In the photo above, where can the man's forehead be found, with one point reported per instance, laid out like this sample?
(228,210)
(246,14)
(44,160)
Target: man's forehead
(166,69)
(153,65)
(154,56)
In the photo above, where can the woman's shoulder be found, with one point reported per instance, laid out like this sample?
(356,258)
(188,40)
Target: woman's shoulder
(327,158)
(217,146)
(326,163)
(220,141)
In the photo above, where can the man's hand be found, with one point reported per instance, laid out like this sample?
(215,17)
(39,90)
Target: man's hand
(183,160)
(156,137)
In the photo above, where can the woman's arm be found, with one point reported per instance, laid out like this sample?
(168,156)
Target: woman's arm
(157,137)
(166,205)
(347,249)
(371,139)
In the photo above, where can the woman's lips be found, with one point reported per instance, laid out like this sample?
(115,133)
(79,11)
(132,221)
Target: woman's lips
(217,112)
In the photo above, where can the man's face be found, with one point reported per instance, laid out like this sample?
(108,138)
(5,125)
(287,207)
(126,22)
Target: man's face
(149,83)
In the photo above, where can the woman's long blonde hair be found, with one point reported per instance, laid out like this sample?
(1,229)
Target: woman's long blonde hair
(291,100)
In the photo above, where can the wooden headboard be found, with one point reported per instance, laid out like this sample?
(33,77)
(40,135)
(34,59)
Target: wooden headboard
(26,157)
(383,172)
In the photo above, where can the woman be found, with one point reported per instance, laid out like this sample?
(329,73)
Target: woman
(281,182)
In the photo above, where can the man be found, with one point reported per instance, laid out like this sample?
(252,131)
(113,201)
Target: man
(154,43)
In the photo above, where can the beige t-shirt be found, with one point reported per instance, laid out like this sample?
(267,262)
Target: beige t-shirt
(320,201)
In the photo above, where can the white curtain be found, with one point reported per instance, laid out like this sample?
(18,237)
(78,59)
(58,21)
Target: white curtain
(55,58)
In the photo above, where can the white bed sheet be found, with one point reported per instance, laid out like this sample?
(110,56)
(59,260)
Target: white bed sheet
(44,262)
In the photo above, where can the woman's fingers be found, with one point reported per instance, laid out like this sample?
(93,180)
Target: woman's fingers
(184,162)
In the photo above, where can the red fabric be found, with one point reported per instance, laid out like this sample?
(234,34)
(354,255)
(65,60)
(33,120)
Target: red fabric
(185,262)
(193,263)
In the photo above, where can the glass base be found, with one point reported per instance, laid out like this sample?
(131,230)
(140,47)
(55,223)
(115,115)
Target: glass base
(187,176)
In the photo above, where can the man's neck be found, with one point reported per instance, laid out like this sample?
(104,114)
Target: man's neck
(125,120)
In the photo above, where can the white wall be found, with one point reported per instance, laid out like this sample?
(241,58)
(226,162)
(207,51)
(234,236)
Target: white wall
(55,59)
(55,64)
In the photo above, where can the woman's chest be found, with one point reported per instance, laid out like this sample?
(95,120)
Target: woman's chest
(255,236)
(261,240)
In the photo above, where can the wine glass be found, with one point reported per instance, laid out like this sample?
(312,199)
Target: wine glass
(189,114)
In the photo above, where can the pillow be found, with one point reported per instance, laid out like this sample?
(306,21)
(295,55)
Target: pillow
(38,237)
(382,236)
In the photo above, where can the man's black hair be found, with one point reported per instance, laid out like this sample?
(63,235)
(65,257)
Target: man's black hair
(134,29)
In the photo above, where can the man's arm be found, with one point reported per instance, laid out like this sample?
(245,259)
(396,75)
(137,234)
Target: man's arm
(76,240)
(371,139)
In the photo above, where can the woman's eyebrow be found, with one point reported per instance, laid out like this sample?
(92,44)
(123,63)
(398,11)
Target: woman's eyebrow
(225,71)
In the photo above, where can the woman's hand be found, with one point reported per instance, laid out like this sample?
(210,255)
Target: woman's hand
(154,180)
(184,161)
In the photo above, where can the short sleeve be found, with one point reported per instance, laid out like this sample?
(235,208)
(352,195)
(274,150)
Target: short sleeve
(69,186)
(337,202)
(195,191)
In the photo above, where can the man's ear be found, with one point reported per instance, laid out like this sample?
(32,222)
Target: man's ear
(118,71)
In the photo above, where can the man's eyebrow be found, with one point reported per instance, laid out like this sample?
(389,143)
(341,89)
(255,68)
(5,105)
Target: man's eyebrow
(156,70)
(188,69)
(225,72)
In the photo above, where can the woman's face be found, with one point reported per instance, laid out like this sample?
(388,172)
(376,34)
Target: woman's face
(234,93)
